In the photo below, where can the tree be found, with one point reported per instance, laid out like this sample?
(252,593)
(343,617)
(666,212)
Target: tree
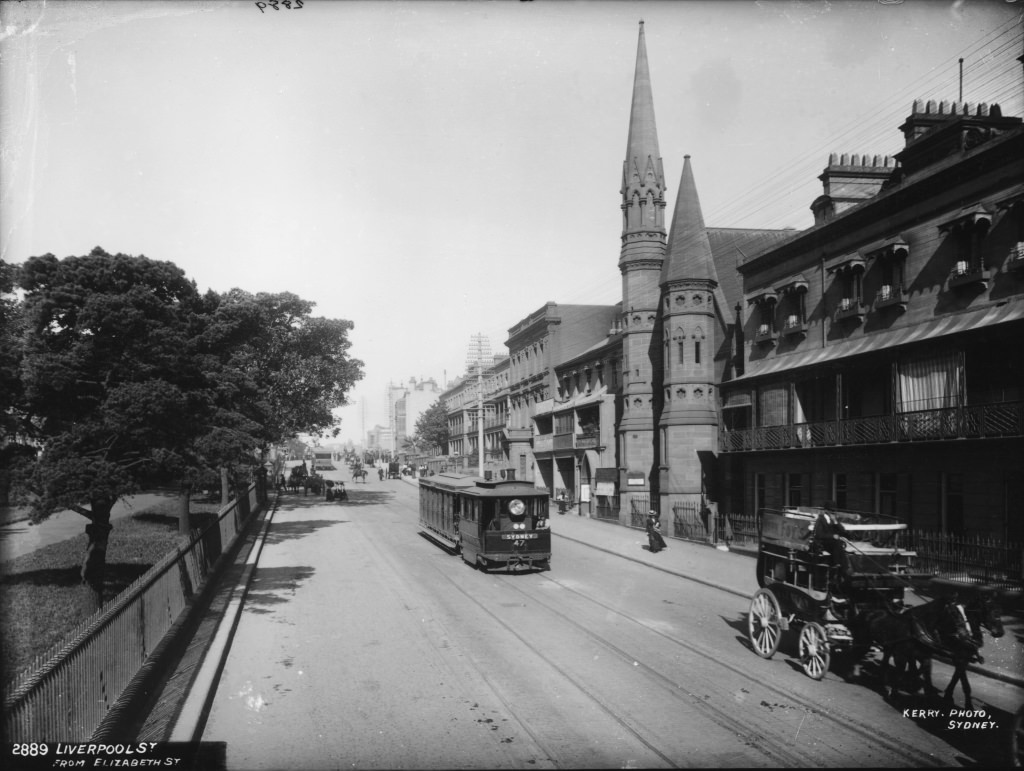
(129,376)
(109,389)
(432,427)
(15,428)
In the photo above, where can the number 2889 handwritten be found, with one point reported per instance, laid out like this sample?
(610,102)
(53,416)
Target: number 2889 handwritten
(277,5)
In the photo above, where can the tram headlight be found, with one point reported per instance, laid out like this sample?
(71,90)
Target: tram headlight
(516,507)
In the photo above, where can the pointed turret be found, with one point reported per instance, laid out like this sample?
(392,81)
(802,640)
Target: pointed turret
(688,323)
(689,250)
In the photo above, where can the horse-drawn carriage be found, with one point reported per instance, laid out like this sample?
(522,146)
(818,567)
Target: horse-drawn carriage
(840,577)
(821,571)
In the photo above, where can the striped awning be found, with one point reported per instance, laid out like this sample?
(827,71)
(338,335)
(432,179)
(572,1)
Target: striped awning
(940,327)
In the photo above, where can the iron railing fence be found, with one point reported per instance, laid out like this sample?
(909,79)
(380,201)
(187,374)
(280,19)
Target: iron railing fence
(975,559)
(967,422)
(639,505)
(971,558)
(607,507)
(66,692)
(688,522)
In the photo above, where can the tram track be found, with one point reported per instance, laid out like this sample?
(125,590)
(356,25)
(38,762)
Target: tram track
(765,740)
(547,750)
(781,751)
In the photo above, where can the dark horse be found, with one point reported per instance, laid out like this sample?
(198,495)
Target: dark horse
(359,473)
(913,636)
(981,612)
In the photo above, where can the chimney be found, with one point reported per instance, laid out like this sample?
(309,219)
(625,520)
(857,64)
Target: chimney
(848,180)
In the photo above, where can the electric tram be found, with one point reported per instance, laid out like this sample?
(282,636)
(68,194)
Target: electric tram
(493,523)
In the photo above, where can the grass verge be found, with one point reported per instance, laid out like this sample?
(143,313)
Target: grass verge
(40,592)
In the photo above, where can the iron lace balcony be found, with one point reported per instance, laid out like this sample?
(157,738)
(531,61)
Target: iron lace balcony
(974,422)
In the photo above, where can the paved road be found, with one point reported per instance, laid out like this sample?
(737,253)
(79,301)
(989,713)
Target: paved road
(361,644)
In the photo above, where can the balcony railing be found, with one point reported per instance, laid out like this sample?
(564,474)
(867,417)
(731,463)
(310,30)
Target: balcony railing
(764,334)
(979,421)
(1015,262)
(965,274)
(564,442)
(890,295)
(849,308)
(588,441)
(794,326)
(543,442)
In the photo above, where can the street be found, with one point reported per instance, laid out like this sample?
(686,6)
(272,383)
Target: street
(362,644)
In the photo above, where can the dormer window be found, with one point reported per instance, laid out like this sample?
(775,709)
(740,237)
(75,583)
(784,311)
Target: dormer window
(968,230)
(892,258)
(1014,208)
(792,296)
(849,272)
(765,303)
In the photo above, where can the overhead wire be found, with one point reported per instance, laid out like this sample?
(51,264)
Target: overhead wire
(1001,84)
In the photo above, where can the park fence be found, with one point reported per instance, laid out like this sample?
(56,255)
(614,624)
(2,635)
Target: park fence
(65,694)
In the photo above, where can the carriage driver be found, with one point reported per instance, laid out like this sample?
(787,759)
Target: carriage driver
(829,536)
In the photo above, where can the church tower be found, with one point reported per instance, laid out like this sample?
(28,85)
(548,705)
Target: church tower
(640,262)
(688,424)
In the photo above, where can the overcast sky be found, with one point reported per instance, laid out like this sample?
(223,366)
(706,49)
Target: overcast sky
(435,170)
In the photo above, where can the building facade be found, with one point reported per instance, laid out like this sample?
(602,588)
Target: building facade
(552,334)
(872,359)
(882,364)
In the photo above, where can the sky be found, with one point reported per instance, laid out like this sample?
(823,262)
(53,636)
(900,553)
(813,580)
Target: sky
(432,171)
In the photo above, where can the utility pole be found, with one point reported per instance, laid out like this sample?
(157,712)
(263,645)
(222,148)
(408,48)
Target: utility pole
(479,349)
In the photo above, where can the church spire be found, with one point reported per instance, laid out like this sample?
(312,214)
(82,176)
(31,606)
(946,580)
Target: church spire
(689,251)
(643,179)
(640,259)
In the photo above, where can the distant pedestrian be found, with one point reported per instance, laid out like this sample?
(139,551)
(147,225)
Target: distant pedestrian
(380,474)
(657,543)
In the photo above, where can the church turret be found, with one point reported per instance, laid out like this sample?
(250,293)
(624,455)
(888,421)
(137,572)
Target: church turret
(688,422)
(640,261)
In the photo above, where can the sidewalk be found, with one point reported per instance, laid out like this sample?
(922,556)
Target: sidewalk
(735,573)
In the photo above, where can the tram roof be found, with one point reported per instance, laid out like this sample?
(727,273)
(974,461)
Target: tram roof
(476,485)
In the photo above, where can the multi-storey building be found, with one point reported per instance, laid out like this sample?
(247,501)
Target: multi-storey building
(551,334)
(410,402)
(484,393)
(882,364)
(873,359)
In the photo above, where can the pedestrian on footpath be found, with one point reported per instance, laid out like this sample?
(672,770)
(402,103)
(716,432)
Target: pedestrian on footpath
(657,543)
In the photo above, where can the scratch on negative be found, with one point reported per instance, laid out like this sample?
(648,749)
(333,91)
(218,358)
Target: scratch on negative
(799,727)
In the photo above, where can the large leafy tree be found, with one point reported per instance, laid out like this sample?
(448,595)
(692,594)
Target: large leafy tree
(293,368)
(15,430)
(109,387)
(128,375)
(432,427)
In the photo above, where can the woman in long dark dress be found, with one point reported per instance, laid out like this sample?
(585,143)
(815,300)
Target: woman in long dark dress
(657,543)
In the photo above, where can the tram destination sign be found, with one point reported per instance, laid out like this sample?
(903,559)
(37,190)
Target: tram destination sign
(518,536)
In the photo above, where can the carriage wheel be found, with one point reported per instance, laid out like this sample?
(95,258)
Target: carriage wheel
(814,650)
(763,623)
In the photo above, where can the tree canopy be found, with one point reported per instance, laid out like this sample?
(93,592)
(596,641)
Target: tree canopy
(122,374)
(432,426)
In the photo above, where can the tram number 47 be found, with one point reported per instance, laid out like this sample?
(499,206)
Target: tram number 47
(518,536)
